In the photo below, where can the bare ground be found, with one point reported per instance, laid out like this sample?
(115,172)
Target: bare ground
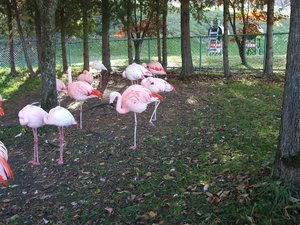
(97,157)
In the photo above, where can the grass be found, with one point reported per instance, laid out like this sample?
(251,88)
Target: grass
(229,145)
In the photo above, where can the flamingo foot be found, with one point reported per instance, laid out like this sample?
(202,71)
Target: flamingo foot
(35,163)
(60,161)
(133,147)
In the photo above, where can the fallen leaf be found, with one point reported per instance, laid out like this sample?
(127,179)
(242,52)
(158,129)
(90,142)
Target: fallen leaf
(168,177)
(109,210)
(152,214)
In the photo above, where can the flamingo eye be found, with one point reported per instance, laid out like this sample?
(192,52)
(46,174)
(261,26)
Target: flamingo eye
(152,83)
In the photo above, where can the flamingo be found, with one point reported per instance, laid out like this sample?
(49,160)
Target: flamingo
(97,65)
(86,76)
(5,170)
(81,91)
(134,99)
(61,87)
(1,109)
(33,116)
(156,85)
(135,72)
(60,117)
(156,68)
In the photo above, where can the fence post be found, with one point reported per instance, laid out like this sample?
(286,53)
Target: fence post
(200,52)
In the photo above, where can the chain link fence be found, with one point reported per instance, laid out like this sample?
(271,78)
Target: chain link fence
(206,52)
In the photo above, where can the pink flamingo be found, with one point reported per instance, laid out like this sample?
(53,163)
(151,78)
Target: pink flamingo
(135,72)
(1,109)
(33,116)
(81,91)
(134,99)
(61,87)
(60,117)
(156,85)
(156,68)
(5,170)
(86,76)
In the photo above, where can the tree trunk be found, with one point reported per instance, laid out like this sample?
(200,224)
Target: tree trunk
(287,161)
(129,37)
(105,5)
(164,35)
(63,40)
(22,38)
(225,38)
(11,38)
(47,11)
(158,30)
(38,34)
(268,67)
(239,41)
(186,55)
(85,24)
(137,47)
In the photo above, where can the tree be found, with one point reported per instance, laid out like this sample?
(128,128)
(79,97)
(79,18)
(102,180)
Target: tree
(47,17)
(240,39)
(63,38)
(186,55)
(10,37)
(23,41)
(158,12)
(85,24)
(128,29)
(225,38)
(287,160)
(106,12)
(164,34)
(268,67)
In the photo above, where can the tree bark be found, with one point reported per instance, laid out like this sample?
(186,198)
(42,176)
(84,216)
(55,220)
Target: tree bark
(128,27)
(158,30)
(225,38)
(241,41)
(164,35)
(38,34)
(85,24)
(10,38)
(106,12)
(63,39)
(186,55)
(22,38)
(47,17)
(268,67)
(287,161)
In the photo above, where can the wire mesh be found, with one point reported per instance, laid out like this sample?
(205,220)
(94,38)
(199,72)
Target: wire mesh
(206,52)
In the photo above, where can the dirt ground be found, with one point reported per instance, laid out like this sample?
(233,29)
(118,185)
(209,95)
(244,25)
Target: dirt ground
(33,196)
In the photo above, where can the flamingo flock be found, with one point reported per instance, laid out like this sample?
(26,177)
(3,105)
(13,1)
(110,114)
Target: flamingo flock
(135,98)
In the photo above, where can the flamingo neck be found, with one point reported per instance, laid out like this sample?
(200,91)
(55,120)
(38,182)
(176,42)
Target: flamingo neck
(69,76)
(119,105)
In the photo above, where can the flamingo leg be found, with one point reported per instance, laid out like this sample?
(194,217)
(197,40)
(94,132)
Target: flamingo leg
(35,160)
(135,131)
(60,160)
(153,116)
